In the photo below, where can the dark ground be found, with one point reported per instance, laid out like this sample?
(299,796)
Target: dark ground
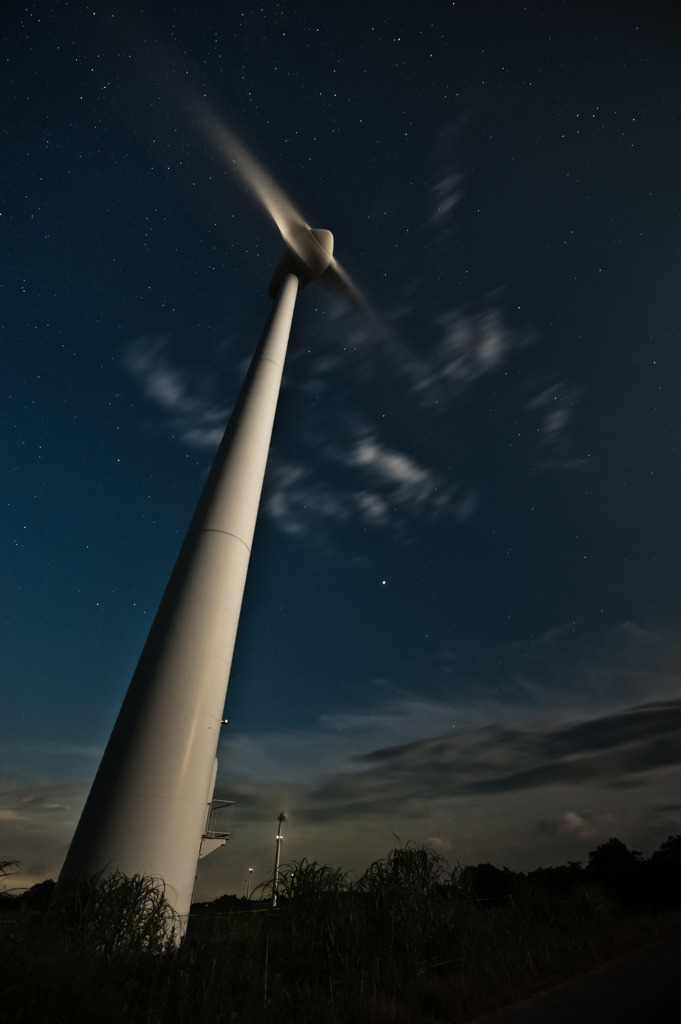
(643,987)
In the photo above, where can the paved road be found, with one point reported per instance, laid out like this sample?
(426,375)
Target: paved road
(640,988)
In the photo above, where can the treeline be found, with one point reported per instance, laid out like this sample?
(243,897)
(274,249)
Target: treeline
(638,883)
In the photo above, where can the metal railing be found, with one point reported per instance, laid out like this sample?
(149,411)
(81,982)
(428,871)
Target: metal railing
(217,822)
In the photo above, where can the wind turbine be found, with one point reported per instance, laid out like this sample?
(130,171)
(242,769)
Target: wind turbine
(147,808)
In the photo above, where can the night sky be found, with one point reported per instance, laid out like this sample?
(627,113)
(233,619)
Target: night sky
(461,619)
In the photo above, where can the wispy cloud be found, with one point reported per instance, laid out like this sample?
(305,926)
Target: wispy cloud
(466,348)
(583,825)
(365,482)
(623,752)
(186,399)
(480,740)
(394,480)
(398,470)
(447,189)
(360,478)
(556,407)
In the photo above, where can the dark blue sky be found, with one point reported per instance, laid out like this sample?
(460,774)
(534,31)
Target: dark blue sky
(469,534)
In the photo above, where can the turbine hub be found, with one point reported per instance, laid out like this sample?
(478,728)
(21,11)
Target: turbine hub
(308,255)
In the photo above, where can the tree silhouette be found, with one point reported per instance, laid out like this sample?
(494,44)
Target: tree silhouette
(613,864)
(488,882)
(670,851)
(664,873)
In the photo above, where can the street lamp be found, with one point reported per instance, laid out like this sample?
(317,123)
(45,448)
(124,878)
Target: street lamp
(281,819)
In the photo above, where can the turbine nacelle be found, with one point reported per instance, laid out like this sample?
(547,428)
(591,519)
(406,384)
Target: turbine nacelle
(309,254)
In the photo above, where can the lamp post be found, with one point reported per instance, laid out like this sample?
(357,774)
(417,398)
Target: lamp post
(249,876)
(281,819)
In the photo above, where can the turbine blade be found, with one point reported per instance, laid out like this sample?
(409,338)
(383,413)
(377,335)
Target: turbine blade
(338,280)
(270,196)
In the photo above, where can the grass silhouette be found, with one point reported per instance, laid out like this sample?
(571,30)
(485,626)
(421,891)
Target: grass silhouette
(414,939)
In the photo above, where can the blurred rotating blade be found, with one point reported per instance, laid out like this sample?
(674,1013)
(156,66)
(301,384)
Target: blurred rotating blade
(260,183)
(293,227)
(339,281)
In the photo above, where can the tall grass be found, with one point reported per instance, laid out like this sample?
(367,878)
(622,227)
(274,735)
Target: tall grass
(408,941)
(113,914)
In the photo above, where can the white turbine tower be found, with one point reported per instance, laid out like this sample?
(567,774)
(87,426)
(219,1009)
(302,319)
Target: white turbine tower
(146,811)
